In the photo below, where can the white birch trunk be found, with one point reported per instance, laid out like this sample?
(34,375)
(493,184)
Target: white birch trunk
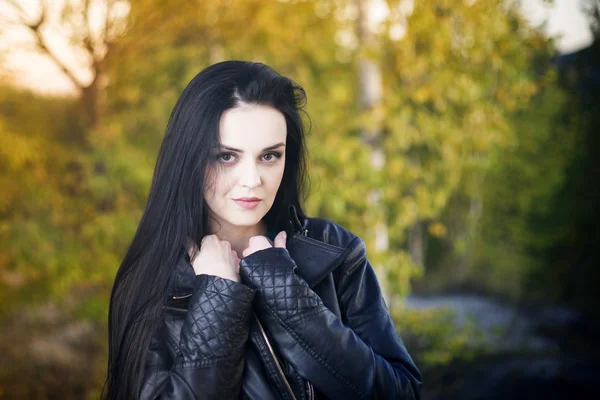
(370,99)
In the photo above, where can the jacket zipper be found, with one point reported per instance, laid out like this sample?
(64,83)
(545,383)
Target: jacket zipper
(183,296)
(181,310)
(264,335)
(310,390)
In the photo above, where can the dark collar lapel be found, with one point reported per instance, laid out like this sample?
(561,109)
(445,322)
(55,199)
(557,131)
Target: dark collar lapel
(183,277)
(315,259)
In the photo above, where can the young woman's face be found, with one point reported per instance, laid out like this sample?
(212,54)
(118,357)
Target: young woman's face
(249,166)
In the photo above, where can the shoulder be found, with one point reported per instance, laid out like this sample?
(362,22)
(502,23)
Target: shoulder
(329,232)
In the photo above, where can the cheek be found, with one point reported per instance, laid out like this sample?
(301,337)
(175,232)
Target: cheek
(276,176)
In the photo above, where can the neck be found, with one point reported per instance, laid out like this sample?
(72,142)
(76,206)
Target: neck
(238,236)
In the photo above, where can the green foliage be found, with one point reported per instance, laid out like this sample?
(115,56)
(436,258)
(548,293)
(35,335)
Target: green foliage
(506,220)
(452,84)
(66,219)
(498,243)
(518,193)
(435,340)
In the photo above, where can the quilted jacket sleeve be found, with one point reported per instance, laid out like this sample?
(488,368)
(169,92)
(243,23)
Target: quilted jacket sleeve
(211,345)
(357,356)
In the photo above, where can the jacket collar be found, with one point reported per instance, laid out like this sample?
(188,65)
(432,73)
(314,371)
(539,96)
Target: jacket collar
(314,258)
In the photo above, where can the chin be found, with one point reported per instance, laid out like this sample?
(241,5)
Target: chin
(246,224)
(247,219)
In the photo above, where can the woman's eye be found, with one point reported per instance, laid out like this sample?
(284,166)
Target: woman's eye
(271,157)
(226,158)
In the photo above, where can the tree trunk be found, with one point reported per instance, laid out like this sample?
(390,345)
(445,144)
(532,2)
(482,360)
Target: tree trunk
(416,244)
(370,98)
(89,100)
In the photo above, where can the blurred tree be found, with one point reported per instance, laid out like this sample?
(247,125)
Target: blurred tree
(592,8)
(454,73)
(530,233)
(515,220)
(370,98)
(89,26)
(568,269)
(42,209)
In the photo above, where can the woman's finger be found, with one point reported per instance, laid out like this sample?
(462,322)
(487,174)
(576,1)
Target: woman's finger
(280,239)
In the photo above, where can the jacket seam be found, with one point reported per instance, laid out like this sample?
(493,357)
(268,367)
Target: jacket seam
(352,247)
(313,353)
(323,245)
(209,362)
(228,296)
(185,381)
(174,341)
(300,317)
(269,364)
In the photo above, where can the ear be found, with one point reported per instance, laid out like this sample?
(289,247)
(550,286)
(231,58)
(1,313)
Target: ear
(280,239)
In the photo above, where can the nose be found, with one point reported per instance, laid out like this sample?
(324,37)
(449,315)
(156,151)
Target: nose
(250,176)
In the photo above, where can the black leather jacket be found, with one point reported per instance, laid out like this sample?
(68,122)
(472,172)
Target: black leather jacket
(312,312)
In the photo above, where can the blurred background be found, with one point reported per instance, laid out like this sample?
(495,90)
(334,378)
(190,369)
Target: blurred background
(457,137)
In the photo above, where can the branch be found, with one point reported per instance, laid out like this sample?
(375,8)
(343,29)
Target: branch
(88,40)
(108,36)
(20,18)
(37,26)
(34,27)
(107,22)
(44,47)
(6,21)
(17,6)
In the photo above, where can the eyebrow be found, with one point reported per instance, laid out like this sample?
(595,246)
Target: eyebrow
(275,146)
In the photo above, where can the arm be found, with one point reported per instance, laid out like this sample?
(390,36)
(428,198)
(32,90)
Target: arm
(211,345)
(359,357)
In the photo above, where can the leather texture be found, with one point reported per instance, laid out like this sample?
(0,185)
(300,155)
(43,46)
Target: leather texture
(321,307)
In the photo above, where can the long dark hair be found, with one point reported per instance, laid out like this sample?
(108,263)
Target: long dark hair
(176,209)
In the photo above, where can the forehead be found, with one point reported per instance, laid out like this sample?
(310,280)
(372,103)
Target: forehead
(252,127)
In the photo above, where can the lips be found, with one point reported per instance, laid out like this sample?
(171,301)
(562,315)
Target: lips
(247,203)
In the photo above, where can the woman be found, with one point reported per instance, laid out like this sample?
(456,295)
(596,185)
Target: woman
(228,290)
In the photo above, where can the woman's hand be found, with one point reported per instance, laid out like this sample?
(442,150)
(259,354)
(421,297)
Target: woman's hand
(260,243)
(216,258)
